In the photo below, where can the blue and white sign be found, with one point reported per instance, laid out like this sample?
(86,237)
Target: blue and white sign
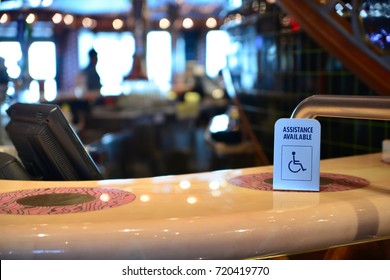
(297,145)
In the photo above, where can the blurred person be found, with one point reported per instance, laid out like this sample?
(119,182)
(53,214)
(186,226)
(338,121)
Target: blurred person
(92,76)
(89,80)
(4,79)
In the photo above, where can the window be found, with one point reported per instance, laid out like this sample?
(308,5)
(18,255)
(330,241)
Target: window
(41,68)
(115,51)
(12,54)
(115,58)
(159,58)
(217,46)
(42,60)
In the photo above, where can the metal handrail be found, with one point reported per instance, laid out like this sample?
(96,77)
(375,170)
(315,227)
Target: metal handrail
(344,106)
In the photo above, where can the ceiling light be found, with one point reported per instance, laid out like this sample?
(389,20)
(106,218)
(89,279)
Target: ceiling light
(88,22)
(68,19)
(31,18)
(57,18)
(117,24)
(211,22)
(4,18)
(164,23)
(188,23)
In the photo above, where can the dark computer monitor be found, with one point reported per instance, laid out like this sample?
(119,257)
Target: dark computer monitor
(47,145)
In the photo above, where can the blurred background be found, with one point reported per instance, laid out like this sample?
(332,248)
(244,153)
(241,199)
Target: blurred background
(141,80)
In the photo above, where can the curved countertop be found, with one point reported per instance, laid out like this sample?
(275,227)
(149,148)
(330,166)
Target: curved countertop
(193,216)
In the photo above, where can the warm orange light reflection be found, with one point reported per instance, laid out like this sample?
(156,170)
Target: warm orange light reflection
(214,185)
(104,197)
(144,198)
(192,200)
(185,185)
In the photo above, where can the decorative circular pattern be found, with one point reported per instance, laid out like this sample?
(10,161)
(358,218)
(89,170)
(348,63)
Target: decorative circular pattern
(329,182)
(51,201)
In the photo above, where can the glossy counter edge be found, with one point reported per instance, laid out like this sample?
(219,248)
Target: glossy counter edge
(168,220)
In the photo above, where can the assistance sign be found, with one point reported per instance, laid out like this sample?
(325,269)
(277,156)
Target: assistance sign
(297,154)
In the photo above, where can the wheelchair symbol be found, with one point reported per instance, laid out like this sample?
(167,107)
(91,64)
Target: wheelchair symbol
(295,165)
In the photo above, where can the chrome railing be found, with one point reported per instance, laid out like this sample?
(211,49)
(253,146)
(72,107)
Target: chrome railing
(344,106)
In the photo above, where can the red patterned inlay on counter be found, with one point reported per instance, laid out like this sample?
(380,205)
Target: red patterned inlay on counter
(329,182)
(49,201)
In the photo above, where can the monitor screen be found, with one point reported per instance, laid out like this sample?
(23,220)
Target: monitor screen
(47,145)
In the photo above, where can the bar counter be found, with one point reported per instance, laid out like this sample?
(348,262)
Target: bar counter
(193,216)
